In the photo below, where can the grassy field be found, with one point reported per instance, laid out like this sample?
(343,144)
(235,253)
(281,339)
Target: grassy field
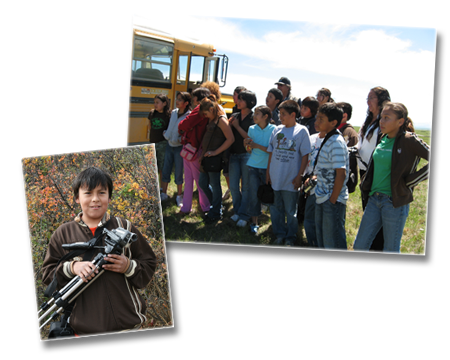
(191,227)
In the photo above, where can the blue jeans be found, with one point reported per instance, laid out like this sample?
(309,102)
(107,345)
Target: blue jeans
(209,182)
(309,222)
(172,156)
(238,169)
(330,225)
(283,214)
(256,177)
(380,212)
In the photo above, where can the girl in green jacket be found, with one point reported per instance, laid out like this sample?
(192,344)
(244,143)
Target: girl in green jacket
(390,179)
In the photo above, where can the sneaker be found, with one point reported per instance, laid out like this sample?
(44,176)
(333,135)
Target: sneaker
(226,195)
(254,229)
(235,217)
(289,243)
(278,241)
(180,200)
(164,196)
(241,223)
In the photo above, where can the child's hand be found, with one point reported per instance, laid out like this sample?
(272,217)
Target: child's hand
(248,144)
(210,153)
(119,263)
(305,185)
(297,182)
(85,270)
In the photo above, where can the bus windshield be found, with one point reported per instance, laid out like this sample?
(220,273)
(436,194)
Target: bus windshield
(152,60)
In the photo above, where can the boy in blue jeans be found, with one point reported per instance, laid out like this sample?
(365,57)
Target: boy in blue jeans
(331,172)
(288,149)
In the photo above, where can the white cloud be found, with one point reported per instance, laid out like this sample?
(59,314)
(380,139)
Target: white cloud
(355,61)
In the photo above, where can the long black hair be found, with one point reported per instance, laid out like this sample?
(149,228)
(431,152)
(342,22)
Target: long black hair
(382,96)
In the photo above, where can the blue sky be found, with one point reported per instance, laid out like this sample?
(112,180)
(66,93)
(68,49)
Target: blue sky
(347,59)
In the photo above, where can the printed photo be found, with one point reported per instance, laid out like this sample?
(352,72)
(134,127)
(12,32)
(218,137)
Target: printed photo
(97,242)
(287,134)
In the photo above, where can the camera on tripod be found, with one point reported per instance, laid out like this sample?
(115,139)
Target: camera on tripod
(115,241)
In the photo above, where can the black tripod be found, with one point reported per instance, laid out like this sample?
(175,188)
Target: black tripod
(116,240)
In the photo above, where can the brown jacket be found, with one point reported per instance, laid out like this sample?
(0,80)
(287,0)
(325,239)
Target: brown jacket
(112,302)
(407,151)
(350,135)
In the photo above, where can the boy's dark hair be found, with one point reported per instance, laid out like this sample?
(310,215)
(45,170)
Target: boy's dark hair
(238,89)
(91,178)
(327,93)
(278,95)
(332,111)
(201,93)
(249,97)
(290,106)
(346,108)
(265,110)
(312,104)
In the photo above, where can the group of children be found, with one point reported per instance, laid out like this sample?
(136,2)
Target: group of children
(302,151)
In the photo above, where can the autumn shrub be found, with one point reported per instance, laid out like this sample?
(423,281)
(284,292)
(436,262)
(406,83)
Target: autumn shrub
(50,203)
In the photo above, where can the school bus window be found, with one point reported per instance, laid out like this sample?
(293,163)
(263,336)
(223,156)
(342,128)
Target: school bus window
(196,74)
(182,69)
(211,67)
(152,60)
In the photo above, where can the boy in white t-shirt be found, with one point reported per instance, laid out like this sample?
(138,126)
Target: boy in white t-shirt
(289,147)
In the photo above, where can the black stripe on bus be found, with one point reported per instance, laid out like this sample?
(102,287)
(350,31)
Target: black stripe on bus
(155,84)
(138,114)
(141,100)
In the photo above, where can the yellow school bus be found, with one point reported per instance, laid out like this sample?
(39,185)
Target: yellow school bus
(164,64)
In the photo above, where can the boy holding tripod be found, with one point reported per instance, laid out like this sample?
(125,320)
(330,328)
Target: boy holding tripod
(112,303)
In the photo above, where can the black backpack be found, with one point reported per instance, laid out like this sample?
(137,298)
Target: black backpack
(353,166)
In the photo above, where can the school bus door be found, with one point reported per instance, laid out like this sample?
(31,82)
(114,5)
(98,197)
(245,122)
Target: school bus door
(210,69)
(183,65)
